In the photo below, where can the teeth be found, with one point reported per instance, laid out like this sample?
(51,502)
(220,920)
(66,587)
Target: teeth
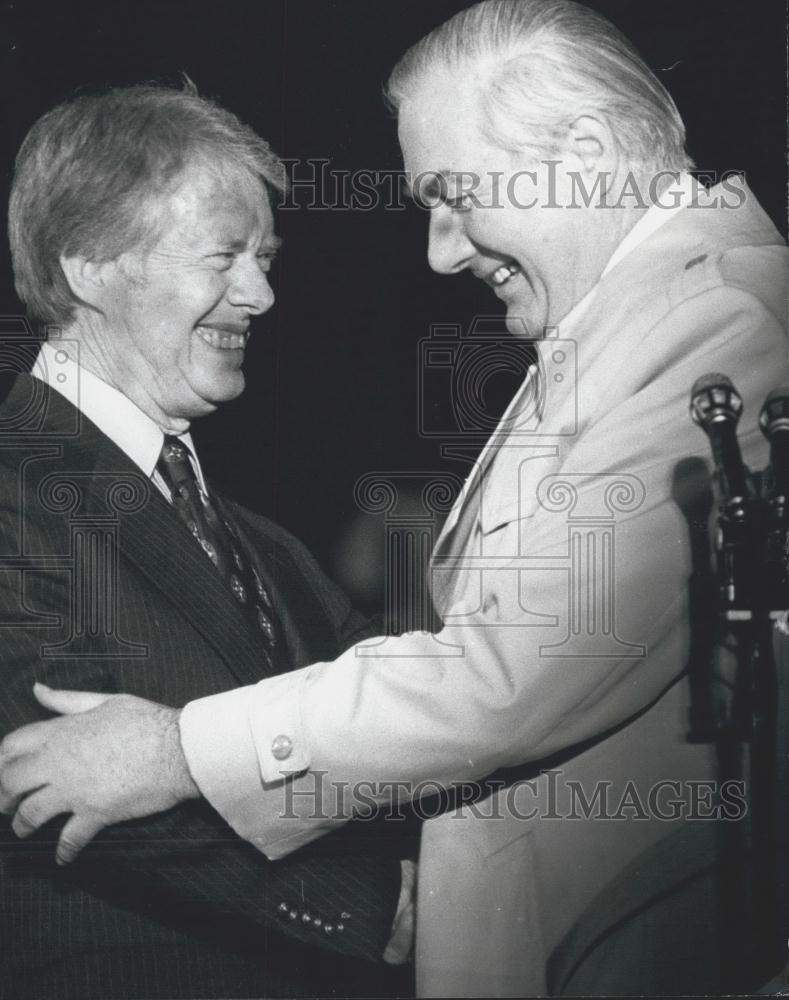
(504,273)
(222,340)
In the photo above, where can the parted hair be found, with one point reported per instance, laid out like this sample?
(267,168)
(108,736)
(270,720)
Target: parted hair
(540,64)
(91,173)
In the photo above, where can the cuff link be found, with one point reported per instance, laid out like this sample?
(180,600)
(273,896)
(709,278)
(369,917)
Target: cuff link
(281,747)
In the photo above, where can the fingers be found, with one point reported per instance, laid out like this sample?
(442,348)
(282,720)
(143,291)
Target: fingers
(68,702)
(23,741)
(401,943)
(42,806)
(19,777)
(76,834)
(34,811)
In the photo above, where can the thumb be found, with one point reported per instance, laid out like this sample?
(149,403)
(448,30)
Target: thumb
(76,834)
(68,702)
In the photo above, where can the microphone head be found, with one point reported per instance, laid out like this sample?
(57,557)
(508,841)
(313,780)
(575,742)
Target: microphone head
(774,416)
(714,400)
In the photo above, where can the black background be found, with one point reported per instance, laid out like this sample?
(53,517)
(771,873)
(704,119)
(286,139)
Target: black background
(332,370)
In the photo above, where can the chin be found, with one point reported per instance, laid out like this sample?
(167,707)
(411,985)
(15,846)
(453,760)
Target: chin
(227,387)
(524,327)
(234,391)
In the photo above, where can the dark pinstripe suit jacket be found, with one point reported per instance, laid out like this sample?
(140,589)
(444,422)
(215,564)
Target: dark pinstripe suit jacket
(102,588)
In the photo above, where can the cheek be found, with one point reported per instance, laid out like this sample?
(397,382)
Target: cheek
(199,293)
(486,227)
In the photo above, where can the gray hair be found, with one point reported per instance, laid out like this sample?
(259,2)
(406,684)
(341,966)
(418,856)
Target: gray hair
(543,63)
(92,172)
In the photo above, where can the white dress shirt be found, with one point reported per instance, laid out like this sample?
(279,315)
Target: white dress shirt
(124,423)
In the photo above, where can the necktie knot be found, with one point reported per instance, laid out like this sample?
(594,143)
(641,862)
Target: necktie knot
(174,465)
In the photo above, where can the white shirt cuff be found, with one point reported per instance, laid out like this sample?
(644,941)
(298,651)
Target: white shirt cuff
(240,747)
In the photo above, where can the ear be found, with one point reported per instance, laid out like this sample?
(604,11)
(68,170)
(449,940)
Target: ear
(590,140)
(87,279)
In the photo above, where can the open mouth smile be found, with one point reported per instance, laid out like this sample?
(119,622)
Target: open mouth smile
(503,274)
(223,339)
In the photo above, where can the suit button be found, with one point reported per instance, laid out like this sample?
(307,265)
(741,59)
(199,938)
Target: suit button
(317,922)
(292,914)
(281,747)
(283,908)
(306,918)
(328,928)
(340,928)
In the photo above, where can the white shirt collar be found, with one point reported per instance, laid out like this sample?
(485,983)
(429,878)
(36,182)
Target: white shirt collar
(124,423)
(675,197)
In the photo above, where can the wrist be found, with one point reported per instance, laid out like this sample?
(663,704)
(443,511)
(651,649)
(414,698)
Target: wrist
(181,780)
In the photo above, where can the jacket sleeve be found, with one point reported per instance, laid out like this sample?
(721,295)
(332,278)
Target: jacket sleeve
(188,863)
(376,727)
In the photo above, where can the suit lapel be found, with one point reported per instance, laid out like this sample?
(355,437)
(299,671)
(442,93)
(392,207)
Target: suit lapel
(150,534)
(492,493)
(159,545)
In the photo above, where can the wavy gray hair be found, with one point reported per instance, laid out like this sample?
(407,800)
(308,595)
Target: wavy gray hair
(543,62)
(91,174)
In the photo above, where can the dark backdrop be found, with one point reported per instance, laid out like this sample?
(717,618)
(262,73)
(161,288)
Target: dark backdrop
(332,371)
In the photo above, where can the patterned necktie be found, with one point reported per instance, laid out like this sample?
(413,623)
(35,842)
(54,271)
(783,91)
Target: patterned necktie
(218,538)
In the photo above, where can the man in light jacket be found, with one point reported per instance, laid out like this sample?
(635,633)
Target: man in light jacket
(554,166)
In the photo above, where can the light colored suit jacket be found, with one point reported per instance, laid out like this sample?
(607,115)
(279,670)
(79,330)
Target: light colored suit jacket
(563,587)
(500,898)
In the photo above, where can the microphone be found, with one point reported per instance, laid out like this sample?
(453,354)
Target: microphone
(715,405)
(774,422)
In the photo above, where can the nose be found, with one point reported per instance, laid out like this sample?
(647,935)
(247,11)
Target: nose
(250,288)
(449,250)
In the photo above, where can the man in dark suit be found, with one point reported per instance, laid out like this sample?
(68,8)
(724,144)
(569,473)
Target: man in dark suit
(574,662)
(142,234)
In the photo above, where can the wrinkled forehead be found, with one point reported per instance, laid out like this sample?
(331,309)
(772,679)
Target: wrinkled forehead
(214,197)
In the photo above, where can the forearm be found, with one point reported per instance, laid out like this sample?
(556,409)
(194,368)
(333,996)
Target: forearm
(504,696)
(368,729)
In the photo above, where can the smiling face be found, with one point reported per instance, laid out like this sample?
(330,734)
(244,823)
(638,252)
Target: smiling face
(174,321)
(509,230)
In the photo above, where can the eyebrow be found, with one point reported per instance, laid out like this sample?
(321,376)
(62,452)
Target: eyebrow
(271,243)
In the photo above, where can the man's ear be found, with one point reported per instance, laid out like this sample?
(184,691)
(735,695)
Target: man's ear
(87,279)
(590,140)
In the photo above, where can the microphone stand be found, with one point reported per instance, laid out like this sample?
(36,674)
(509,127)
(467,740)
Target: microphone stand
(773,636)
(750,528)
